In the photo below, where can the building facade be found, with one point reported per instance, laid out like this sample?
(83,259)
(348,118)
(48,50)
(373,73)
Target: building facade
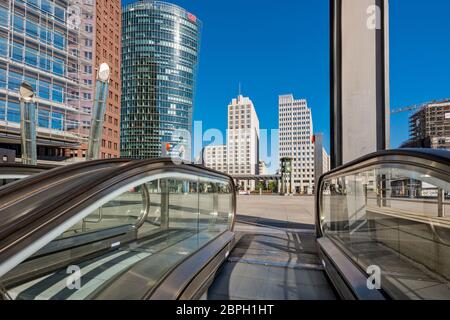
(430,126)
(240,156)
(215,157)
(262,169)
(295,141)
(243,140)
(36,42)
(56,46)
(108,29)
(160,48)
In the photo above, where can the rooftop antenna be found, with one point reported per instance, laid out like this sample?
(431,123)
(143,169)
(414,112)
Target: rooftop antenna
(240,88)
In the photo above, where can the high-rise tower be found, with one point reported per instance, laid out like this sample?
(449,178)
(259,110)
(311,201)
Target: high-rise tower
(160,47)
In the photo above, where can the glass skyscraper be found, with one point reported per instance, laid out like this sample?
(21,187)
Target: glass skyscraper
(160,49)
(40,44)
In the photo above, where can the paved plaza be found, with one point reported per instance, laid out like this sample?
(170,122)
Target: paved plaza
(275,257)
(284,211)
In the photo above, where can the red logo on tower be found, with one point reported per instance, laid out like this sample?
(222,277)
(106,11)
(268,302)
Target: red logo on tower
(192,17)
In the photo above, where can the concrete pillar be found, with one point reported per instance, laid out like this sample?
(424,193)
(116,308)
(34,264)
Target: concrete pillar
(359,79)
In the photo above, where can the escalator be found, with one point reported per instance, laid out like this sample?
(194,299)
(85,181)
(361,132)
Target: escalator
(115,229)
(152,229)
(383,225)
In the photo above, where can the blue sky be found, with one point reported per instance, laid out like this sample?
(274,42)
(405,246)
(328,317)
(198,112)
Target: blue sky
(278,47)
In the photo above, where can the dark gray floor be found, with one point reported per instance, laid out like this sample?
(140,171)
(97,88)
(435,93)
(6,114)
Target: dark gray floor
(270,263)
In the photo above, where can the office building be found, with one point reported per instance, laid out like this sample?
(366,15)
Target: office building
(262,170)
(160,48)
(215,157)
(429,127)
(243,140)
(295,141)
(240,156)
(56,46)
(36,46)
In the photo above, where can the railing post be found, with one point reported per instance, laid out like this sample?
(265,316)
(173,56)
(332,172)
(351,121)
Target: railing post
(164,203)
(441,211)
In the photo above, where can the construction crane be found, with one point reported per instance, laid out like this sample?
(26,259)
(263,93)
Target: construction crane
(409,108)
(416,106)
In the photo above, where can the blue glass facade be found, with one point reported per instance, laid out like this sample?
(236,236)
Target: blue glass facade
(160,48)
(38,45)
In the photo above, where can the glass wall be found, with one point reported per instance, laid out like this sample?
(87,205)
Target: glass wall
(35,36)
(166,219)
(398,219)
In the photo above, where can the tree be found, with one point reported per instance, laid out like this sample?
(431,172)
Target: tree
(272,186)
(260,186)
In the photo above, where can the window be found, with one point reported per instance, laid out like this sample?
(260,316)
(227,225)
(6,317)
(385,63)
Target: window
(44,90)
(47,6)
(17,52)
(44,63)
(3,17)
(60,13)
(31,57)
(57,94)
(32,29)
(58,40)
(18,23)
(2,78)
(88,69)
(58,66)
(3,47)
(13,112)
(2,107)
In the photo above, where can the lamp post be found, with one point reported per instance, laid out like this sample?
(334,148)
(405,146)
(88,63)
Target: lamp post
(28,124)
(98,112)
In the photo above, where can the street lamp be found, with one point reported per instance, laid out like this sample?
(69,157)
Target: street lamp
(98,111)
(28,124)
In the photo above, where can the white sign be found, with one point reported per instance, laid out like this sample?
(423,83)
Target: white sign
(447,116)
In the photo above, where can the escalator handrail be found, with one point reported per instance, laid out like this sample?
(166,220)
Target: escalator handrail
(47,172)
(34,224)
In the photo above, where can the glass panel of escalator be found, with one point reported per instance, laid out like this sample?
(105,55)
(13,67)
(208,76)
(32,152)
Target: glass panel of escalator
(183,204)
(397,219)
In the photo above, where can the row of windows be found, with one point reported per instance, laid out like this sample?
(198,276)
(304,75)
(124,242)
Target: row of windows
(175,36)
(54,120)
(31,57)
(155,21)
(35,31)
(43,89)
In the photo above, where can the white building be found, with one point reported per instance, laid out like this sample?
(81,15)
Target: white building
(262,168)
(215,157)
(295,141)
(243,140)
(240,156)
